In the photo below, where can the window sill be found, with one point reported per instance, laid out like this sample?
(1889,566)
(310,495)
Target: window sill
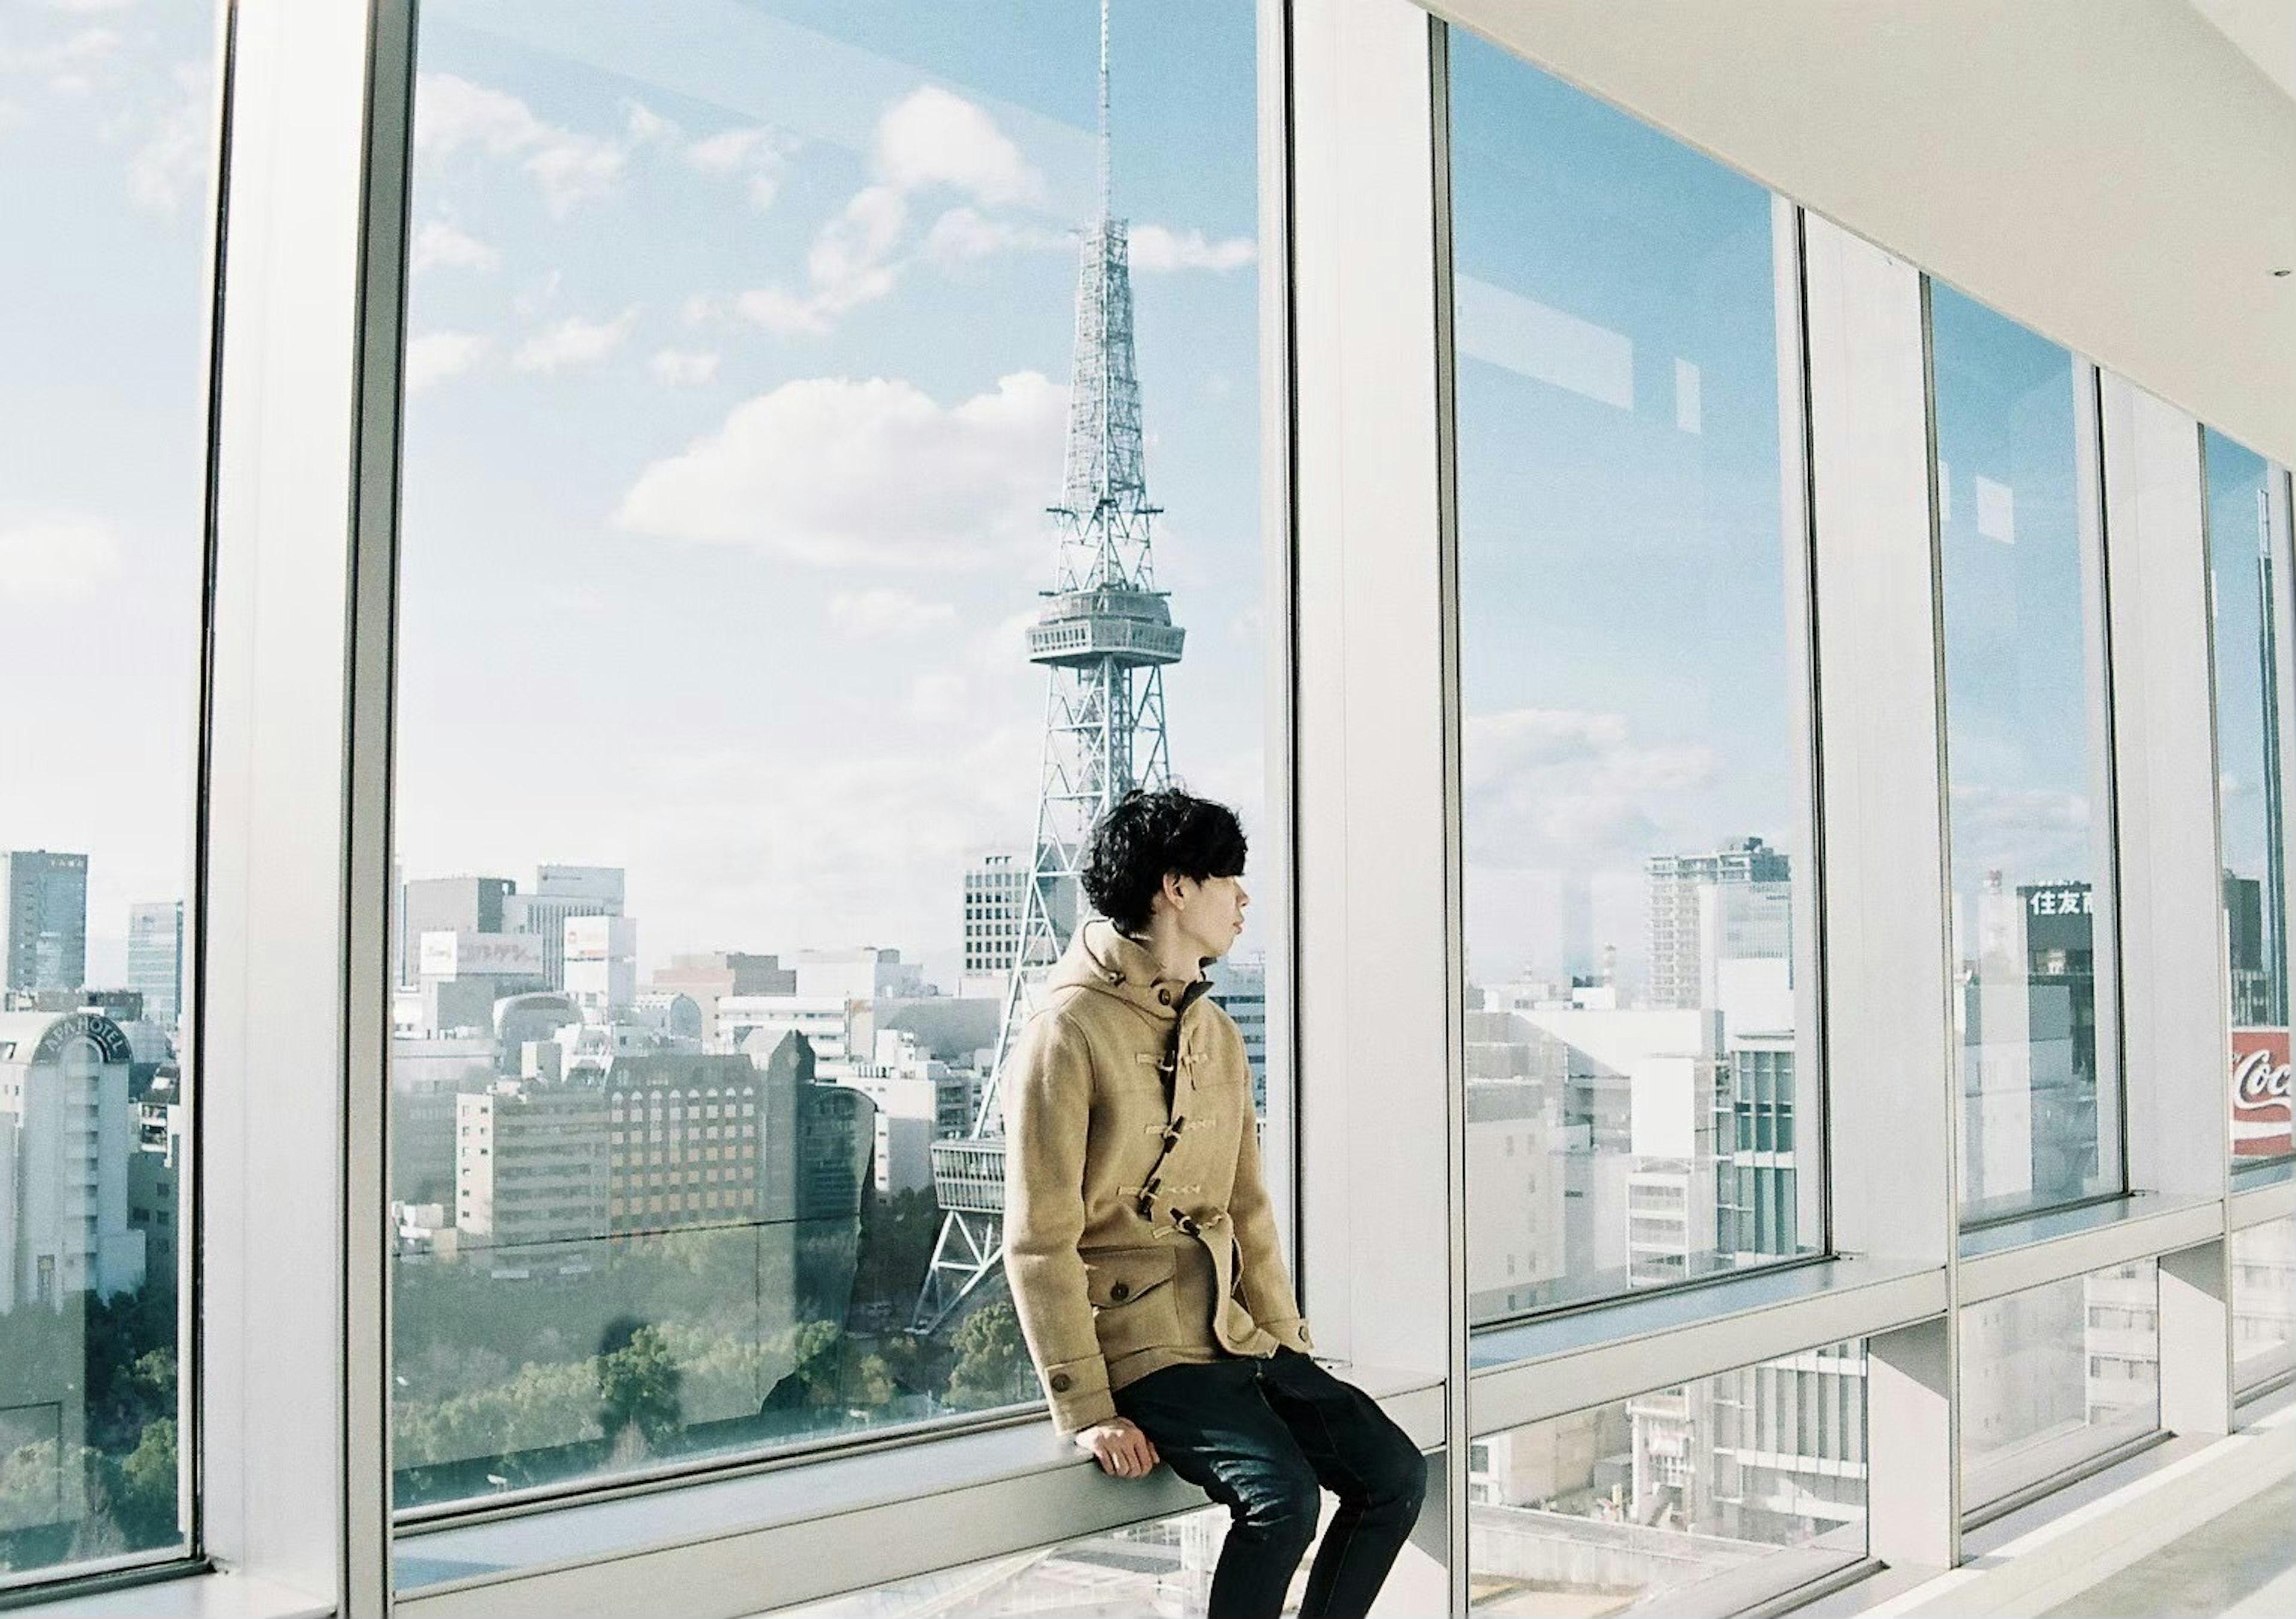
(206,1594)
(2038,1249)
(837,1524)
(1593,1357)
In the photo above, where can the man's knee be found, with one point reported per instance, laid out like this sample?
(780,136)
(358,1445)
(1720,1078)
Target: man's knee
(1397,1484)
(1282,1505)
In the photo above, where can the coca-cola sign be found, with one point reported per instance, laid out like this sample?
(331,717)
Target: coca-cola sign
(2260,1118)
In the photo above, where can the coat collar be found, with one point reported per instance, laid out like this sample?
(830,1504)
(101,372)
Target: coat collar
(1103,959)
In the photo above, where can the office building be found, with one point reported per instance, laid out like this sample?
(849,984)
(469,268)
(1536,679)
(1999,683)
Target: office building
(155,958)
(559,896)
(445,905)
(1681,913)
(43,920)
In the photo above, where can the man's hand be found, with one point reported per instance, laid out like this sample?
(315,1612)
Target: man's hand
(1122,1449)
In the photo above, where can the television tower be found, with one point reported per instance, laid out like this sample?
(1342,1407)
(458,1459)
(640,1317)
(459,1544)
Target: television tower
(1104,637)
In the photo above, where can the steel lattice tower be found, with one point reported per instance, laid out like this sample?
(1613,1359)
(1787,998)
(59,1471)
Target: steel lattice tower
(1103,636)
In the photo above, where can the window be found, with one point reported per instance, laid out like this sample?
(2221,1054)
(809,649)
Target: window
(2029,793)
(1714,1493)
(2056,1375)
(2263,1301)
(2248,562)
(110,167)
(741,375)
(1633,688)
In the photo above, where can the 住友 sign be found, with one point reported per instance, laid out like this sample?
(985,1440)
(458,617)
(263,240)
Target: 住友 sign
(2261,1125)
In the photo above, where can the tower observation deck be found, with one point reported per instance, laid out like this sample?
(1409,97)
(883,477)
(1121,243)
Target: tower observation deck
(1103,636)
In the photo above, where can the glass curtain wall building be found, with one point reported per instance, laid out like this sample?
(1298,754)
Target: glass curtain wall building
(582,713)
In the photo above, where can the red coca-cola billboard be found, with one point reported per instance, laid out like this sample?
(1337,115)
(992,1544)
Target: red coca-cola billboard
(2261,1126)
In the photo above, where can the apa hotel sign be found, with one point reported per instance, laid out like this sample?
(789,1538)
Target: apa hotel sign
(2260,1127)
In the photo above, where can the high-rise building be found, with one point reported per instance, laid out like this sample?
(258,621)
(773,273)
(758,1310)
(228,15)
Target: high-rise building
(43,920)
(155,957)
(1677,913)
(68,1126)
(445,905)
(560,895)
(996,905)
(599,964)
(1240,989)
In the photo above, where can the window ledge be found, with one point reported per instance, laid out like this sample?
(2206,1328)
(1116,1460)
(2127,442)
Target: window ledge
(2042,1249)
(849,1522)
(211,1594)
(1593,1357)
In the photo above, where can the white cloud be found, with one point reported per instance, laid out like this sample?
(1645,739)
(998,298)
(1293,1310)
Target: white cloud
(48,560)
(436,356)
(1547,786)
(888,615)
(938,696)
(843,473)
(931,137)
(680,368)
(575,341)
(170,167)
(87,8)
(439,245)
(845,267)
(1157,251)
(754,155)
(963,234)
(65,66)
(451,113)
(644,125)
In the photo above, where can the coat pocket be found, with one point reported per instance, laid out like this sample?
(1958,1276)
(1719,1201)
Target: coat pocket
(1132,1299)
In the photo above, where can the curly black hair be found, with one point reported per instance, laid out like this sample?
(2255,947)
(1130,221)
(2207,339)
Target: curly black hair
(1143,836)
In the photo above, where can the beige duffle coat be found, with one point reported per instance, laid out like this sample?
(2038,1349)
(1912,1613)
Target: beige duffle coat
(1107,1295)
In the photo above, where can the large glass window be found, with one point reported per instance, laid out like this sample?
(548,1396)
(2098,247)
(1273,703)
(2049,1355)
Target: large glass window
(1634,685)
(2263,1302)
(109,158)
(2247,560)
(747,352)
(2056,1374)
(2027,759)
(1711,1494)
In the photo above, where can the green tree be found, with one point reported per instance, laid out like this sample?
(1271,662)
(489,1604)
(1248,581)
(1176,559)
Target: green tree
(992,1360)
(147,1503)
(638,1388)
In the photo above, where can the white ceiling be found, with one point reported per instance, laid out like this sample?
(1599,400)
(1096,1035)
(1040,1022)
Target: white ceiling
(2120,177)
(2265,30)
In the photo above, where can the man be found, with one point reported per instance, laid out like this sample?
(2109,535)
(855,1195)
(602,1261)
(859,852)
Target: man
(1141,1244)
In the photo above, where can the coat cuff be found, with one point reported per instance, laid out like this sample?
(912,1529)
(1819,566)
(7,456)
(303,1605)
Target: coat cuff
(1292,1333)
(1078,1392)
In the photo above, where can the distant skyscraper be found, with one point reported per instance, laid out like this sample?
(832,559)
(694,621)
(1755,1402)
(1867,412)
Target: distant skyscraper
(996,905)
(446,904)
(560,894)
(1677,882)
(155,957)
(43,920)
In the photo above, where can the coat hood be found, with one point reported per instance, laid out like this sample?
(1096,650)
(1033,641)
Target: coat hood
(1102,960)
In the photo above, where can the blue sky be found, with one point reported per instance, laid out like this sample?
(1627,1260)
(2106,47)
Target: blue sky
(740,378)
(1624,614)
(105,161)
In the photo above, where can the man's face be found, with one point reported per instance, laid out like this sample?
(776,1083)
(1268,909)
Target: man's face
(1211,912)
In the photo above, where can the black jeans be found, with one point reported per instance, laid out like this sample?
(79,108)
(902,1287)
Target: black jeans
(1260,1437)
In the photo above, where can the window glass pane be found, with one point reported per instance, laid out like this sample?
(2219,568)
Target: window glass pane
(739,377)
(2026,770)
(1158,1568)
(2263,1301)
(2246,557)
(108,166)
(2056,1375)
(1636,745)
(1718,1492)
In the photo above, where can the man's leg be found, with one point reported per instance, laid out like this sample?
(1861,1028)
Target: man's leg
(1218,1432)
(1363,1458)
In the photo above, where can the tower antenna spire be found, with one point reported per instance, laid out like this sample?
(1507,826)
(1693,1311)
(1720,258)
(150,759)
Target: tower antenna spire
(1106,179)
